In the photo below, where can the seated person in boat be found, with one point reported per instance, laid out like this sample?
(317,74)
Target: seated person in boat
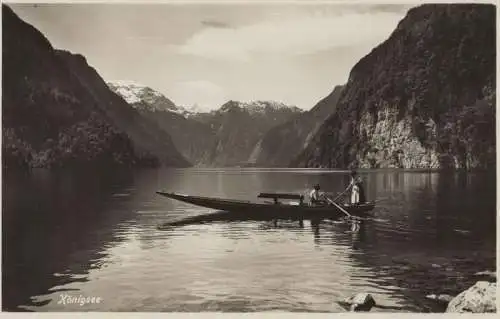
(357,189)
(317,197)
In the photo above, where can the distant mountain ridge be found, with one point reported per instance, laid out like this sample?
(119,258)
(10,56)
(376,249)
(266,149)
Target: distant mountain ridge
(142,96)
(256,107)
(282,143)
(58,112)
(190,137)
(239,126)
(222,137)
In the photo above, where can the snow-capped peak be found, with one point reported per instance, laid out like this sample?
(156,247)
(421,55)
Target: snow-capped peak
(129,92)
(144,97)
(254,107)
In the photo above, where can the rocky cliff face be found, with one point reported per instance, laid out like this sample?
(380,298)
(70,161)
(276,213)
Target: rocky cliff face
(57,111)
(284,142)
(425,98)
(238,127)
(191,137)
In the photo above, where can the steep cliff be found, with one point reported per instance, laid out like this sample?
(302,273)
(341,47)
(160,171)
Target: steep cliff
(284,142)
(191,137)
(57,111)
(424,98)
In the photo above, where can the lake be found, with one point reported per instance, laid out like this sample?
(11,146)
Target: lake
(87,234)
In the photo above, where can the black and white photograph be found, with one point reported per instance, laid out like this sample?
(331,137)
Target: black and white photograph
(249,157)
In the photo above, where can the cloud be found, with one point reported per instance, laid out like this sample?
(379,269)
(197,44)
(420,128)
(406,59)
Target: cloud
(395,8)
(291,36)
(215,24)
(207,94)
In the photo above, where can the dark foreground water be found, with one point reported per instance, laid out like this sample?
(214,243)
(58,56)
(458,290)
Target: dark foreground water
(94,235)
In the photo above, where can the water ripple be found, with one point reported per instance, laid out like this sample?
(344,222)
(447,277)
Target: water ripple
(407,250)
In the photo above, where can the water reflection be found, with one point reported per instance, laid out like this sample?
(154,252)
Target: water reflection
(46,221)
(97,234)
(421,252)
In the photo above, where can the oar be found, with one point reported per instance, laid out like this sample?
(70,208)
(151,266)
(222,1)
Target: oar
(338,206)
(340,194)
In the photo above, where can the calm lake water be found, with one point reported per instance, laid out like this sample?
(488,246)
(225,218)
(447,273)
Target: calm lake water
(95,235)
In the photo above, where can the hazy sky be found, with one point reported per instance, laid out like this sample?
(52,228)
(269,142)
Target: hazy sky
(206,54)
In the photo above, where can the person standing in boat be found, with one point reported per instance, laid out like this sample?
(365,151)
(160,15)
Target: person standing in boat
(317,197)
(357,189)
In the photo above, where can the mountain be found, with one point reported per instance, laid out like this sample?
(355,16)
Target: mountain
(191,109)
(57,110)
(284,142)
(143,97)
(224,137)
(191,137)
(239,126)
(265,108)
(424,98)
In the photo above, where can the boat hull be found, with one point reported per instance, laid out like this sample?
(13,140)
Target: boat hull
(272,211)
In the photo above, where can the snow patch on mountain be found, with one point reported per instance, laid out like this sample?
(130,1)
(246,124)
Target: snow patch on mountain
(128,90)
(144,97)
(192,109)
(258,107)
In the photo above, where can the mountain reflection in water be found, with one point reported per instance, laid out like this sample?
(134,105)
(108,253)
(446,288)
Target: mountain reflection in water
(95,234)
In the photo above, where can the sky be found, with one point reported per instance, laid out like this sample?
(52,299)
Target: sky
(206,54)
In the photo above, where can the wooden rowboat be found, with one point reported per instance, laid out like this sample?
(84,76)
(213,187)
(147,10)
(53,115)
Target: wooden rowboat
(294,210)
